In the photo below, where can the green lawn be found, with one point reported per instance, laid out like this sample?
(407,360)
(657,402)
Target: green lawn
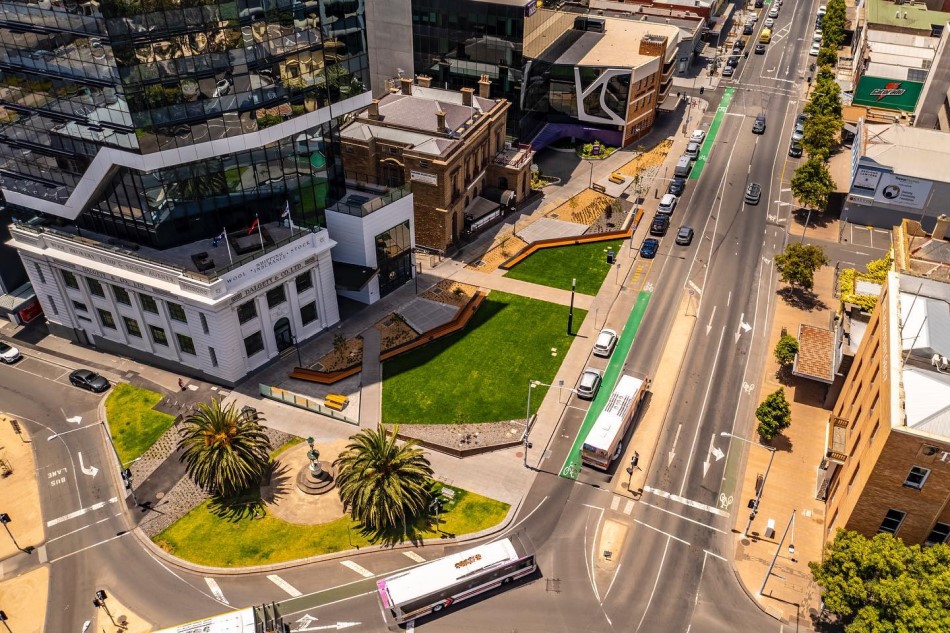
(197,537)
(555,267)
(481,374)
(132,422)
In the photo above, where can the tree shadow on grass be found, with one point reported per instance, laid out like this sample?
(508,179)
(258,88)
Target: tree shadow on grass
(801,299)
(251,503)
(277,483)
(413,532)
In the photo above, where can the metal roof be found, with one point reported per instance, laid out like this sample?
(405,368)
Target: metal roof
(909,151)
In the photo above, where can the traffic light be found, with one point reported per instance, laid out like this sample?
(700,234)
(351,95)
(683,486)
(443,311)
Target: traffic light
(702,89)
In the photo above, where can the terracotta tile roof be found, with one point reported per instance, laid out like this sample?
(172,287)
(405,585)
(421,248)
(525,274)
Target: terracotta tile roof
(816,353)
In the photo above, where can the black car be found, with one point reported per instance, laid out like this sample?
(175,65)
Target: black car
(795,149)
(733,61)
(684,236)
(759,126)
(660,225)
(760,49)
(86,379)
(649,248)
(753,193)
(748,29)
(677,186)
(759,4)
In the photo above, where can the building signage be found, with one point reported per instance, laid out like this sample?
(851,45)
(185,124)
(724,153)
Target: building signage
(903,191)
(423,177)
(878,92)
(531,8)
(273,279)
(863,201)
(275,258)
(865,178)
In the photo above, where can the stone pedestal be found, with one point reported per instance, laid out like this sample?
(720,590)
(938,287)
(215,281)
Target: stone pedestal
(316,481)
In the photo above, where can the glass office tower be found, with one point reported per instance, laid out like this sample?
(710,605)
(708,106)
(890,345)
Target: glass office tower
(159,122)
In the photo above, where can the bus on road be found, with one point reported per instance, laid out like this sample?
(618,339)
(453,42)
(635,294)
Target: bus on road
(604,442)
(433,586)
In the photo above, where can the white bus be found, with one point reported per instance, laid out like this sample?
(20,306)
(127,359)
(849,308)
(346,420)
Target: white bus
(433,586)
(604,442)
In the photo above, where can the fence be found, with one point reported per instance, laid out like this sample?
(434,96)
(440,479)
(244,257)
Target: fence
(302,402)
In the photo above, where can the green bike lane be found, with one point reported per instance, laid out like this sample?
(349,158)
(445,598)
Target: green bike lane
(700,163)
(572,464)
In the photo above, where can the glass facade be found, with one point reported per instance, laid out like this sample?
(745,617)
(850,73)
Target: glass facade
(394,257)
(89,89)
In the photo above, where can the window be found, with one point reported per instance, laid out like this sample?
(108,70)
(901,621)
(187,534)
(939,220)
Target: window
(121,295)
(80,306)
(39,273)
(158,335)
(253,344)
(148,304)
(70,280)
(132,327)
(916,477)
(105,317)
(177,312)
(892,521)
(185,344)
(247,311)
(204,322)
(308,313)
(304,281)
(214,357)
(52,304)
(276,296)
(938,535)
(424,164)
(95,287)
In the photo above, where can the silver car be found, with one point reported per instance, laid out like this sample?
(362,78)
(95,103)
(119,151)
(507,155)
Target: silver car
(589,383)
(605,343)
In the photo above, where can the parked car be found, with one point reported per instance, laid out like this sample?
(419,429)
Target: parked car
(773,13)
(753,193)
(758,127)
(817,36)
(90,380)
(801,118)
(760,49)
(684,236)
(8,353)
(813,51)
(728,71)
(698,136)
(748,29)
(769,22)
(605,343)
(667,204)
(799,132)
(795,149)
(677,186)
(589,383)
(649,248)
(660,224)
(732,61)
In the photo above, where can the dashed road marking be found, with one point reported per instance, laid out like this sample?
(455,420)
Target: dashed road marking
(685,501)
(359,569)
(628,507)
(286,586)
(216,590)
(415,557)
(615,503)
(80,512)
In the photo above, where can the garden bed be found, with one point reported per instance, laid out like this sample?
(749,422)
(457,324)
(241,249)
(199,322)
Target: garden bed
(342,358)
(451,293)
(394,331)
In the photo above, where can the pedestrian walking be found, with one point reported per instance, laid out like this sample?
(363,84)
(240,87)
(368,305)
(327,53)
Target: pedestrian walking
(181,384)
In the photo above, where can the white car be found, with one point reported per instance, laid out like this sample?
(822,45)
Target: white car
(774,12)
(769,23)
(8,353)
(667,204)
(605,343)
(813,51)
(698,136)
(817,36)
(589,383)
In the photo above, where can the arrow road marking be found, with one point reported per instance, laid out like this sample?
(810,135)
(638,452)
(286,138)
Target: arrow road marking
(91,471)
(76,419)
(713,451)
(306,624)
(673,449)
(286,586)
(743,327)
(709,325)
(216,590)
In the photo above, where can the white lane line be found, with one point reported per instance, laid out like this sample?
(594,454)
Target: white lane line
(286,586)
(702,412)
(56,538)
(78,551)
(216,590)
(655,583)
(415,557)
(80,512)
(615,503)
(656,529)
(685,501)
(705,525)
(362,571)
(80,428)
(715,555)
(593,552)
(628,507)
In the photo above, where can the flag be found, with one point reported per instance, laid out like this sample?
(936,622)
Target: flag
(286,213)
(221,237)
(254,225)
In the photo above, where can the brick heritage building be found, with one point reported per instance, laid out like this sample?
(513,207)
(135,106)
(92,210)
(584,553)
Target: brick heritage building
(887,463)
(450,147)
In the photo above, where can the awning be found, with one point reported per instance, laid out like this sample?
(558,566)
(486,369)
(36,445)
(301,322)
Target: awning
(851,129)
(351,276)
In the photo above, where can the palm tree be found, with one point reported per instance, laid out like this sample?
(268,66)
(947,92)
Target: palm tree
(382,484)
(225,450)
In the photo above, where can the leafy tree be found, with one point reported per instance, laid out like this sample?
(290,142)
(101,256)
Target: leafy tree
(774,415)
(881,585)
(812,184)
(825,98)
(821,134)
(797,265)
(224,450)
(785,350)
(382,484)
(827,54)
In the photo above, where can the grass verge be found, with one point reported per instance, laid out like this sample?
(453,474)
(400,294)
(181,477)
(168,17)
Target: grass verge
(134,425)
(556,267)
(196,537)
(481,374)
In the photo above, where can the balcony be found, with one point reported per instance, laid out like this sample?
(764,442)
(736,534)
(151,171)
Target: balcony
(362,199)
(514,157)
(837,450)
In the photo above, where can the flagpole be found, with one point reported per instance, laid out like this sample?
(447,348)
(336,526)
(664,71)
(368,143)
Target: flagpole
(227,246)
(260,232)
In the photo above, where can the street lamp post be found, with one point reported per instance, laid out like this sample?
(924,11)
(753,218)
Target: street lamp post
(758,494)
(297,346)
(437,506)
(5,519)
(570,314)
(791,549)
(527,415)
(100,602)
(3,618)
(590,183)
